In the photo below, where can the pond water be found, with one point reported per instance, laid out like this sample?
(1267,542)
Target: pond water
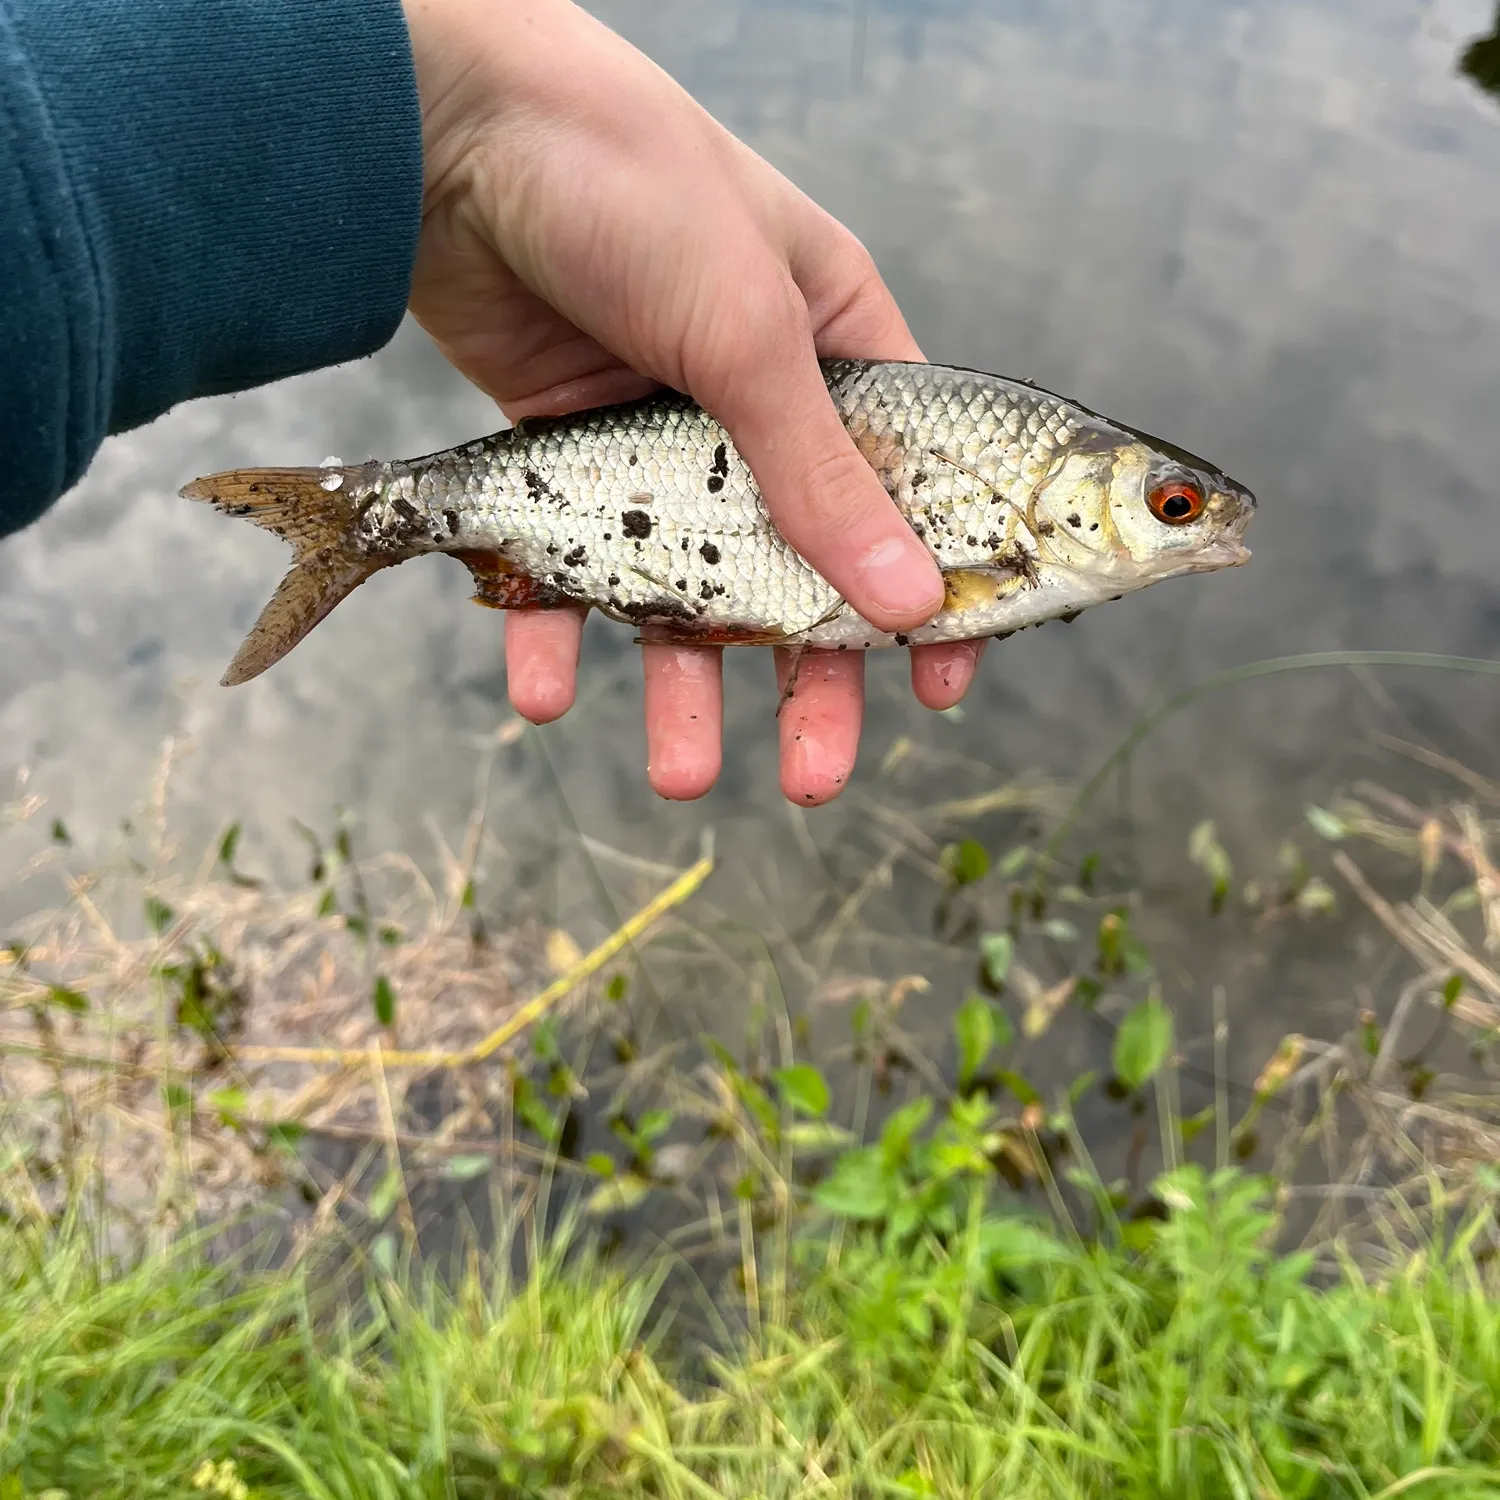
(1269,229)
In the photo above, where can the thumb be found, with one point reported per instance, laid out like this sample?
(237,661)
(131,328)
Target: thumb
(819,489)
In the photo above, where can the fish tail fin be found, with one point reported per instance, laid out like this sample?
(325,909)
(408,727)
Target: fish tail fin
(319,524)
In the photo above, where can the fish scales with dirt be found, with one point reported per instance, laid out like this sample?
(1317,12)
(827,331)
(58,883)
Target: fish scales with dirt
(1033,507)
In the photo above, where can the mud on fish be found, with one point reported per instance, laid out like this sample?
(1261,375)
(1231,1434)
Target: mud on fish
(1033,507)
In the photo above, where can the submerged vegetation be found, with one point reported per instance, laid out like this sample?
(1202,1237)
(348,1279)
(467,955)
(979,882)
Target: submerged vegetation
(285,1214)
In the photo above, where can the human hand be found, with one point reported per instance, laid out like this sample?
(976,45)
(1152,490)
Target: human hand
(589,234)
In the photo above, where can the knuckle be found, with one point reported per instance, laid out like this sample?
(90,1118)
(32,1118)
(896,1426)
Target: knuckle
(832,496)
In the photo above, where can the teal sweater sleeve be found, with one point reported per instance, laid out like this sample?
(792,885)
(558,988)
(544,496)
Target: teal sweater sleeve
(196,196)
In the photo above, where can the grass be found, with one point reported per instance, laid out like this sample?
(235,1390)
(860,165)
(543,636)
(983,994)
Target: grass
(1002,1358)
(906,1278)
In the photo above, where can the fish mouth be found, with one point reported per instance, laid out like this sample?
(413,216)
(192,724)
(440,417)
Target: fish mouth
(1222,552)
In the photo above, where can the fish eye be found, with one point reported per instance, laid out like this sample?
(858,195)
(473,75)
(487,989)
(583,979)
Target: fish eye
(1176,502)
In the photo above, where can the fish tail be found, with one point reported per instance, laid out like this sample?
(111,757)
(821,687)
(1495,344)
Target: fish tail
(319,523)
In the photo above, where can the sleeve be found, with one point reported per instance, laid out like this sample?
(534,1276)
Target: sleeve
(196,196)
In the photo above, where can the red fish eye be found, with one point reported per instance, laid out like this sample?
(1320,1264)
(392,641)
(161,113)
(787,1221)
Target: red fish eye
(1176,502)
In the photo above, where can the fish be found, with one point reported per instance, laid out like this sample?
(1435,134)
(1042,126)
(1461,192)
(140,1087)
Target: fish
(1033,507)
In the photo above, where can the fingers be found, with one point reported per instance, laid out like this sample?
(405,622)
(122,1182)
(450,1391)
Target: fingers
(819,723)
(684,718)
(541,661)
(941,674)
(766,388)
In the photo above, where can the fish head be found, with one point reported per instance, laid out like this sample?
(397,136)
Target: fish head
(1131,510)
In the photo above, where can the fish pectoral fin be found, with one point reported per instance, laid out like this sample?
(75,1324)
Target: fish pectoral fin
(966,589)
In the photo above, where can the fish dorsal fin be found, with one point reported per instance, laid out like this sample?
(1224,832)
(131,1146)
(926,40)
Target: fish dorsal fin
(320,524)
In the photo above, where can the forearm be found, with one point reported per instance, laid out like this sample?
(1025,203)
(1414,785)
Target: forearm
(196,196)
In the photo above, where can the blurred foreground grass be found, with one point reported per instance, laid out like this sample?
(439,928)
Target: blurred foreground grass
(1003,1357)
(705,1270)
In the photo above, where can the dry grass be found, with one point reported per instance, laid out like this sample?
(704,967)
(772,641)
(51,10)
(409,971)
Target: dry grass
(172,1052)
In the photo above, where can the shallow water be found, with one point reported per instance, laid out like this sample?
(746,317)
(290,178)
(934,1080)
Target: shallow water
(1265,229)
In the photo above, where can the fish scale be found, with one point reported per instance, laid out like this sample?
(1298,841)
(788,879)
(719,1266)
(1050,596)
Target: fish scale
(1032,506)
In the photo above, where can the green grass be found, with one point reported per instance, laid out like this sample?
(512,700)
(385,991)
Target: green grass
(909,1281)
(975,1353)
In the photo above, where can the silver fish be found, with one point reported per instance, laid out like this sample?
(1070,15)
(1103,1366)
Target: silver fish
(1033,507)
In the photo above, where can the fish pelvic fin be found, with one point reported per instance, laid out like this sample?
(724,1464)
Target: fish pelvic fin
(328,564)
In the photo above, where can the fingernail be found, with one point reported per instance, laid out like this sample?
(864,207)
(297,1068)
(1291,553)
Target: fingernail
(899,578)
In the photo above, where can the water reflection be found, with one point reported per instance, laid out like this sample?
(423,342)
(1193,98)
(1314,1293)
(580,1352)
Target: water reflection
(1481,60)
(1264,230)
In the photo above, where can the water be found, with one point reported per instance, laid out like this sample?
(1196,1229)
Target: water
(1266,229)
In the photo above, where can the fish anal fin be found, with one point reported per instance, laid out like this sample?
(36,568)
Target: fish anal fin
(309,593)
(499,584)
(680,633)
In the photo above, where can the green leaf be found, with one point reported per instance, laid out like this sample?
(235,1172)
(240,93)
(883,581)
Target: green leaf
(1120,950)
(60,834)
(1453,987)
(653,1123)
(600,1163)
(1205,851)
(1019,1086)
(390,936)
(58,994)
(536,1115)
(1143,1042)
(803,1088)
(228,844)
(158,914)
(901,1128)
(1193,1126)
(997,949)
(617,1195)
(544,1040)
(974,1028)
(815,1136)
(857,1188)
(177,1097)
(965,862)
(228,1104)
(329,904)
(1014,1244)
(1005,1031)
(285,1134)
(617,988)
(385,1001)
(464,1168)
(1081,1085)
(1326,824)
(1316,898)
(384,1195)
